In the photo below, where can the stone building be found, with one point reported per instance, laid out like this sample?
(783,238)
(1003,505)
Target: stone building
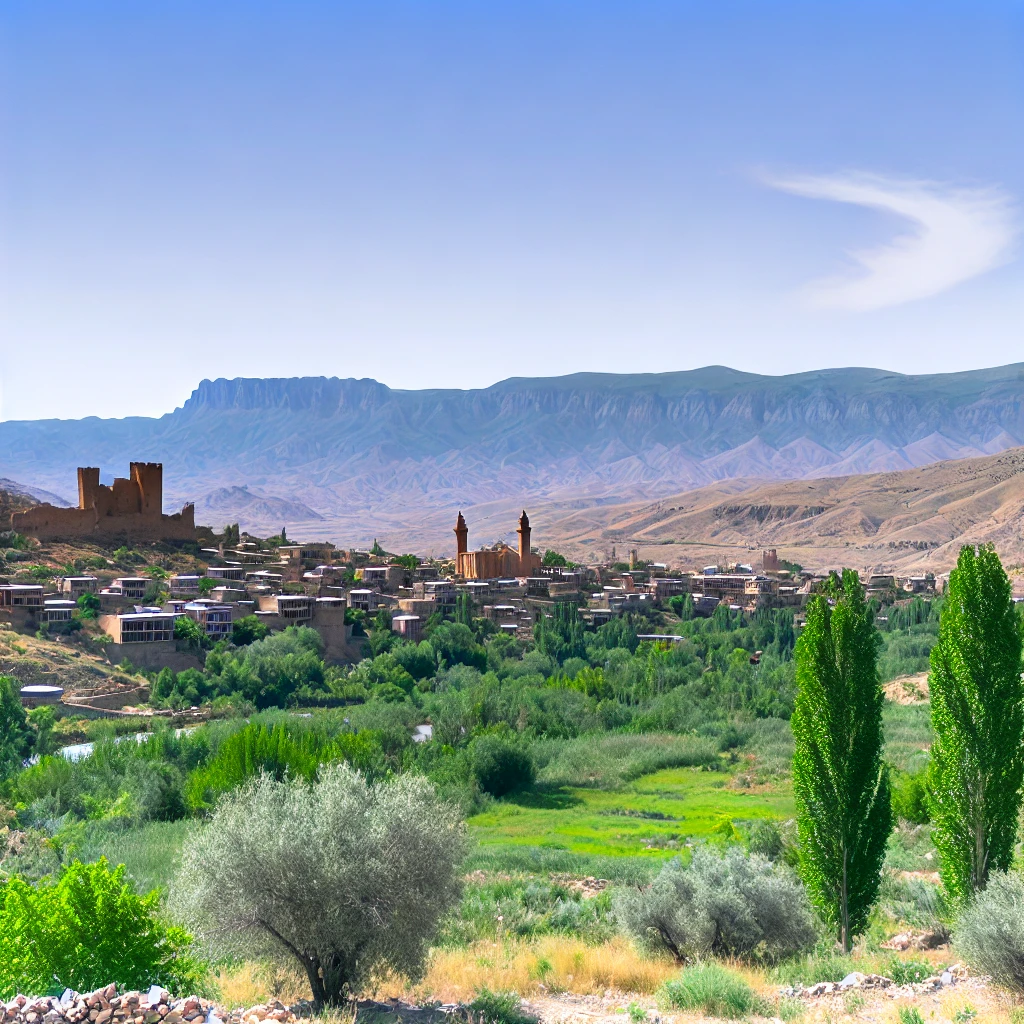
(131,509)
(498,562)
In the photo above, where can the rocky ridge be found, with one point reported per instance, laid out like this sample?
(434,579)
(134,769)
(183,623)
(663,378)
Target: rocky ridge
(356,448)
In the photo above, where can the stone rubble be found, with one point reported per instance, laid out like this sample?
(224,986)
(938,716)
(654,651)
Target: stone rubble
(857,981)
(156,1006)
(108,1006)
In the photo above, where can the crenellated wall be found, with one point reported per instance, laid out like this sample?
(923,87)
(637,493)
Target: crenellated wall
(130,509)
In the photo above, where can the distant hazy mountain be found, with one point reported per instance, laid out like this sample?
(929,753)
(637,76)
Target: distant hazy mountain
(358,451)
(235,504)
(35,494)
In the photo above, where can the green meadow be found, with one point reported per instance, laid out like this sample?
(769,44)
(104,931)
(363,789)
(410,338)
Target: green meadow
(654,816)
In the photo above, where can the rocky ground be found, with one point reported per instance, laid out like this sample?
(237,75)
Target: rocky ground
(951,994)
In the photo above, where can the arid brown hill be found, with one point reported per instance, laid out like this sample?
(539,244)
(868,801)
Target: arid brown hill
(915,520)
(11,502)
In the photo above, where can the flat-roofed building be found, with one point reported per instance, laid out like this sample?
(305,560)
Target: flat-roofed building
(364,600)
(293,609)
(664,587)
(27,596)
(56,609)
(131,588)
(75,586)
(139,627)
(879,583)
(408,626)
(184,585)
(215,619)
(236,573)
(316,552)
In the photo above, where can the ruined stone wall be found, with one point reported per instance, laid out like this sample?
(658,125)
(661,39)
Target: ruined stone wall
(130,509)
(47,522)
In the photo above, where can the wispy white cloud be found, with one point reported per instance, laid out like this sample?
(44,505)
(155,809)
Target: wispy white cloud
(957,233)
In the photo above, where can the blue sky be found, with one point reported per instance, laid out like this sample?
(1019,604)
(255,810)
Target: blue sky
(441,194)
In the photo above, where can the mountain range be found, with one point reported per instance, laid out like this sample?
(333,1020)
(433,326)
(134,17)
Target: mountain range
(354,459)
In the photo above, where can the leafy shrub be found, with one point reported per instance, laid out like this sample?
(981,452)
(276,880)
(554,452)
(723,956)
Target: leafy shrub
(910,796)
(527,907)
(247,629)
(910,1015)
(86,929)
(500,1008)
(990,932)
(907,972)
(501,765)
(712,990)
(189,632)
(733,905)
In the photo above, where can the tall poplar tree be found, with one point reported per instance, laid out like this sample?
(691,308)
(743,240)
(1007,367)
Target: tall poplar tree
(842,787)
(977,700)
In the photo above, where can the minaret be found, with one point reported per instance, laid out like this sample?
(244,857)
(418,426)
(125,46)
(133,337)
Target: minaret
(525,562)
(461,538)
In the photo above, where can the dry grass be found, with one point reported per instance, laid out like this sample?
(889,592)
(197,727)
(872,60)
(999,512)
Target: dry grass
(552,964)
(543,968)
(250,983)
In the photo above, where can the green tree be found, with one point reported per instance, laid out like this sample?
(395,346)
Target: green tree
(247,629)
(351,881)
(15,735)
(88,606)
(382,639)
(562,635)
(842,787)
(190,632)
(977,701)
(554,558)
(464,610)
(89,928)
(206,584)
(42,720)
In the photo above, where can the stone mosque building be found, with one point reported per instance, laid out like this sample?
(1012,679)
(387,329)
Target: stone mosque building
(495,563)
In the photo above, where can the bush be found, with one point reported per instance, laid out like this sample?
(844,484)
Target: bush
(501,765)
(500,1008)
(733,906)
(712,990)
(910,796)
(86,929)
(349,879)
(990,932)
(247,629)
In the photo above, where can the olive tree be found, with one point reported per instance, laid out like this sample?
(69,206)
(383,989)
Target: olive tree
(342,876)
(731,905)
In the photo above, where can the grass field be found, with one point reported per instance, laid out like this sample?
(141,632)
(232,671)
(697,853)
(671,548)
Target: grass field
(591,813)
(654,816)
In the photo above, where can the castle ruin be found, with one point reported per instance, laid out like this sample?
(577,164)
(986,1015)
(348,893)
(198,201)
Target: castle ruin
(131,509)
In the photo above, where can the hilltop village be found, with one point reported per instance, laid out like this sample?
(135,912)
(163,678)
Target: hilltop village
(231,583)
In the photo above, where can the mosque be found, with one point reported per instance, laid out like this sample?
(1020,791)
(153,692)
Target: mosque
(495,563)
